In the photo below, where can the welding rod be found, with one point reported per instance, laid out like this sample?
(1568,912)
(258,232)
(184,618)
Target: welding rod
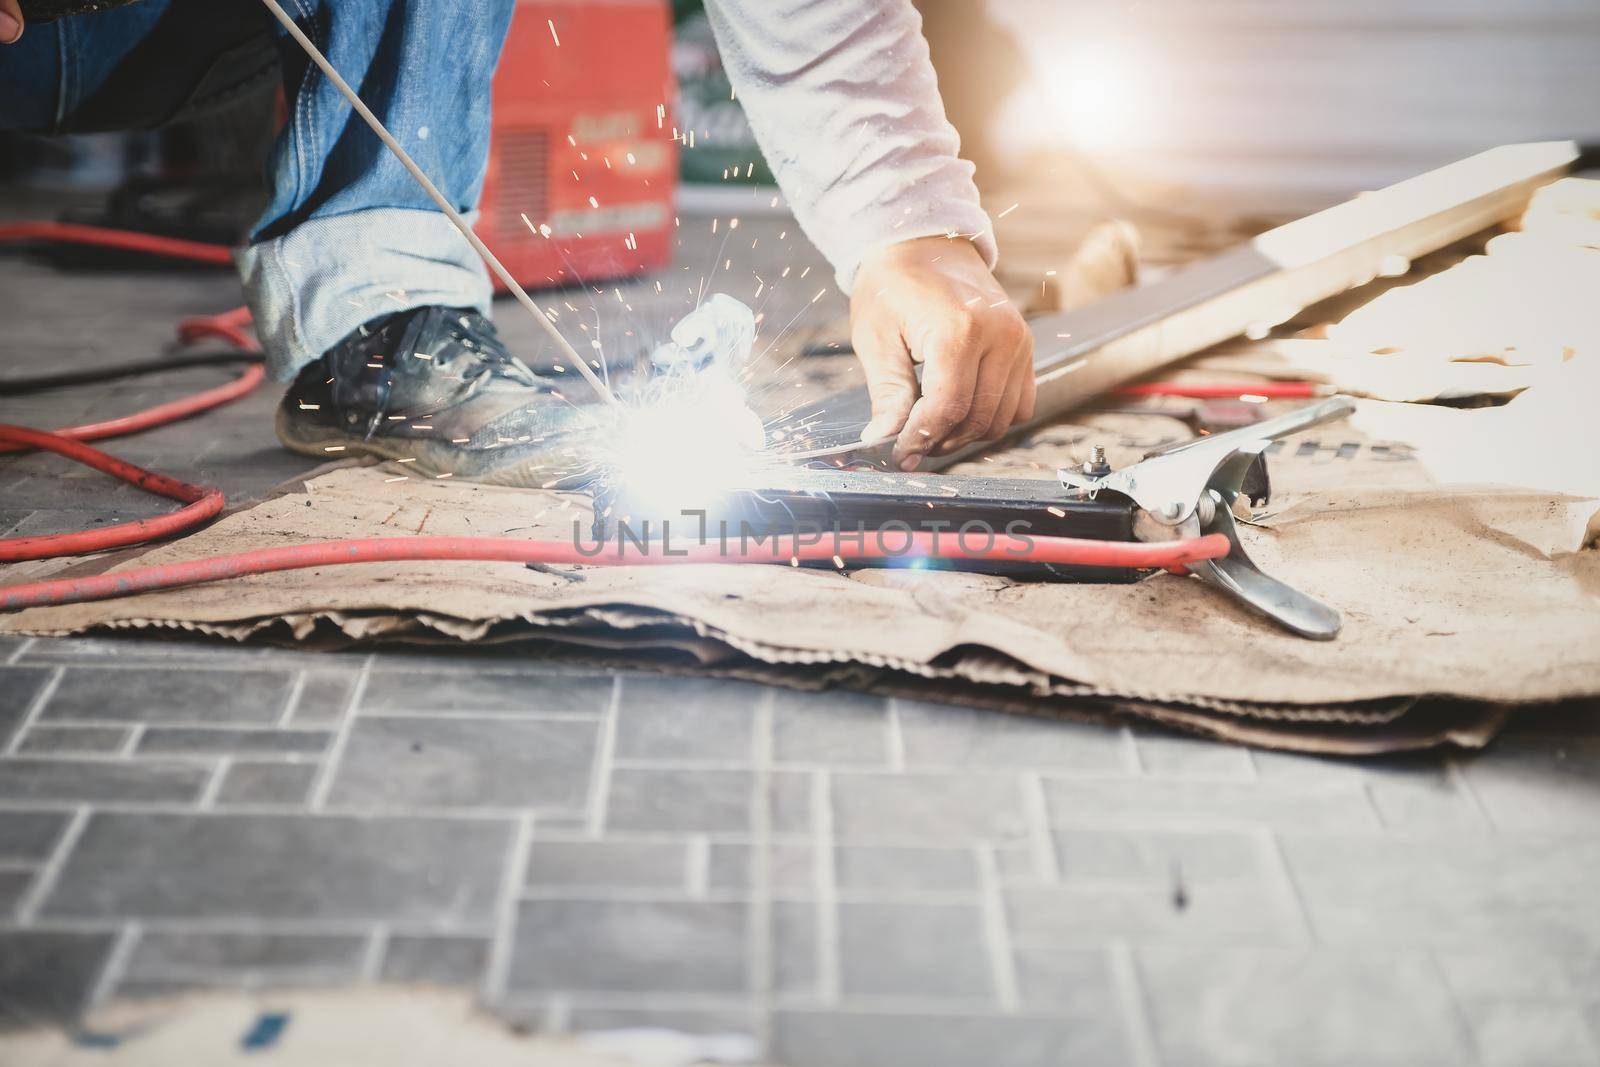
(438,198)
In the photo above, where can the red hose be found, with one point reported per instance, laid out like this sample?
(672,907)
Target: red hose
(128,240)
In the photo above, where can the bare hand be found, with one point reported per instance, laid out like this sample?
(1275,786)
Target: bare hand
(10,21)
(933,301)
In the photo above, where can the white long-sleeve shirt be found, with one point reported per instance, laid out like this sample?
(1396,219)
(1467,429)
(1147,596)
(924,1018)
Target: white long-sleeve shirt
(842,98)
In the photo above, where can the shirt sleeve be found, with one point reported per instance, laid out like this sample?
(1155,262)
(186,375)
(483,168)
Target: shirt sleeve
(842,98)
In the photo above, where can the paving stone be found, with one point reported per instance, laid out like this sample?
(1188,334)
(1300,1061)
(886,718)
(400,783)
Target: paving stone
(833,728)
(205,954)
(424,959)
(939,734)
(30,835)
(1146,855)
(139,650)
(19,687)
(913,950)
(390,690)
(612,864)
(1311,1008)
(466,762)
(256,867)
(946,807)
(1076,916)
(585,945)
(1189,802)
(14,885)
(870,869)
(324,695)
(42,778)
(151,694)
(1532,1035)
(1497,973)
(1071,982)
(223,741)
(1539,783)
(795,967)
(1172,756)
(702,800)
(1412,792)
(42,739)
(860,1039)
(786,868)
(266,783)
(686,718)
(46,976)
(1525,892)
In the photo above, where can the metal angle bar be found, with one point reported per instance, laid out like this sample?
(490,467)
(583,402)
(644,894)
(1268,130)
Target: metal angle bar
(1083,353)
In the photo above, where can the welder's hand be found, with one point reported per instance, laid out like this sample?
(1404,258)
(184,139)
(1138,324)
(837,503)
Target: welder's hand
(10,21)
(933,301)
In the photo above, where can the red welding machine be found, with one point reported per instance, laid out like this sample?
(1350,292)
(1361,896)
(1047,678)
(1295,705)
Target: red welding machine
(582,164)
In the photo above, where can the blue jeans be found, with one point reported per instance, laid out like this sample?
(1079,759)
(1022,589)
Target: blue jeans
(348,235)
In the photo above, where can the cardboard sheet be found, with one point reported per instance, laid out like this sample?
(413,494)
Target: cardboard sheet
(1460,599)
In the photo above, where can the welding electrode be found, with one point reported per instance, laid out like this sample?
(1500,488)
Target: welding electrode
(428,187)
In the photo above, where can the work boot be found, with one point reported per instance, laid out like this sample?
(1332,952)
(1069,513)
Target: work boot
(434,388)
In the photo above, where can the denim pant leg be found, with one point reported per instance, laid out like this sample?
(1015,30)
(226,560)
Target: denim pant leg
(349,235)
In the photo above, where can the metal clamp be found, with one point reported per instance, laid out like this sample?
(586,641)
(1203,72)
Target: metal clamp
(1189,489)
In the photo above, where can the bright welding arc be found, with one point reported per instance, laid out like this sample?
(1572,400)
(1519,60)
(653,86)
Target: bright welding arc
(428,187)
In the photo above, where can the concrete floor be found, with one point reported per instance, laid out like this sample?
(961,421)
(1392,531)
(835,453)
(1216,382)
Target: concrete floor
(854,881)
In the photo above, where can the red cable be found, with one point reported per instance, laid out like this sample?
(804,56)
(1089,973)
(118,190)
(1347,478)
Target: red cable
(1199,391)
(128,240)
(203,502)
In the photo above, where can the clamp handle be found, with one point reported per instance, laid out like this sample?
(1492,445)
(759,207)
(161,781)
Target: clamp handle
(1189,489)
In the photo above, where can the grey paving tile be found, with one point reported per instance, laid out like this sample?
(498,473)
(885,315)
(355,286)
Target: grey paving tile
(913,950)
(158,694)
(1521,1034)
(703,800)
(948,808)
(324,695)
(1491,972)
(44,739)
(833,727)
(466,762)
(965,737)
(1527,892)
(880,869)
(266,783)
(850,1039)
(1193,802)
(583,945)
(46,977)
(206,954)
(785,867)
(19,688)
(30,835)
(14,885)
(794,948)
(419,959)
(1539,783)
(401,690)
(269,866)
(1409,792)
(1169,755)
(1076,983)
(1076,916)
(226,741)
(46,778)
(686,718)
(1310,1008)
(611,864)
(1146,855)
